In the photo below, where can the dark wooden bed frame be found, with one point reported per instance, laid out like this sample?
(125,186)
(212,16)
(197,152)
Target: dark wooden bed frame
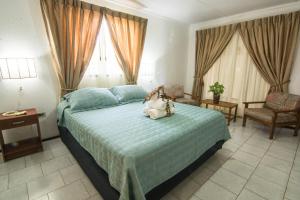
(99,177)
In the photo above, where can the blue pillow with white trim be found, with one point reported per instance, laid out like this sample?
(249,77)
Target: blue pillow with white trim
(129,93)
(90,99)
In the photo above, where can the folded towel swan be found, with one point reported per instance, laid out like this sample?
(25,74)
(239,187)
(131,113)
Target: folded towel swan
(158,104)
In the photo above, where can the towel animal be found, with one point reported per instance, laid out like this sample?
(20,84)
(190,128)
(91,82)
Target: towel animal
(158,104)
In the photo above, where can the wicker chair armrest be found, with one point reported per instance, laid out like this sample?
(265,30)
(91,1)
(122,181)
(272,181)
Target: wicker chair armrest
(252,102)
(187,94)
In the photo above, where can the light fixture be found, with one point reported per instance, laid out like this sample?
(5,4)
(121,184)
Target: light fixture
(17,68)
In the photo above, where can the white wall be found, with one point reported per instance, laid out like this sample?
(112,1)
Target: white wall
(22,34)
(276,10)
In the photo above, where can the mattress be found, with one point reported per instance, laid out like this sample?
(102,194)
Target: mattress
(139,153)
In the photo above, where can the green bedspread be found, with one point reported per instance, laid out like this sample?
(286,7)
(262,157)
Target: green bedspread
(139,153)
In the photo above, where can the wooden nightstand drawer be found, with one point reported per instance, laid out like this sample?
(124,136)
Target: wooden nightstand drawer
(18,122)
(23,147)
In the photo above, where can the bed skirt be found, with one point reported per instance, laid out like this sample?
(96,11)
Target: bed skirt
(99,177)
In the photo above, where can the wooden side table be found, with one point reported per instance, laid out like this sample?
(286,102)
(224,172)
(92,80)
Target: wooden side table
(224,104)
(23,147)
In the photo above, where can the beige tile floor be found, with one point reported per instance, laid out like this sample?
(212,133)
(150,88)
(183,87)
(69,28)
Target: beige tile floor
(249,167)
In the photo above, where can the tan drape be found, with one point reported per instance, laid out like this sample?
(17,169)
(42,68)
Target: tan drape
(72,28)
(210,43)
(271,43)
(239,75)
(128,36)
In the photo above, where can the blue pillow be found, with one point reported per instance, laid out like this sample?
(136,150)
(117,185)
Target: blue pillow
(91,99)
(129,93)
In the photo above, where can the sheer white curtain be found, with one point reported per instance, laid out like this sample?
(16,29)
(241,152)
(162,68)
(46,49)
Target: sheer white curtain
(236,71)
(103,70)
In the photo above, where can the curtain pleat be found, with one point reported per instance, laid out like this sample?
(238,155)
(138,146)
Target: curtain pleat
(271,43)
(128,36)
(72,27)
(237,72)
(210,43)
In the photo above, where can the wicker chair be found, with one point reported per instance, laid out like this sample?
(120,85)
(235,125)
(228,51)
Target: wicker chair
(178,95)
(279,110)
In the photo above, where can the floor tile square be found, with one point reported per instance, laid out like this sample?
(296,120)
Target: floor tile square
(251,149)
(55,164)
(43,185)
(89,186)
(73,191)
(296,166)
(98,197)
(228,180)
(201,175)
(185,189)
(45,197)
(264,144)
(276,163)
(238,168)
(246,158)
(24,175)
(12,165)
(60,151)
(265,188)
(15,193)
(3,183)
(295,177)
(72,173)
(38,158)
(281,153)
(169,196)
(214,163)
(248,195)
(292,192)
(212,191)
(272,175)
(231,146)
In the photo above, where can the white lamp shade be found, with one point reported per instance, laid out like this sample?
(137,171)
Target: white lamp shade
(17,68)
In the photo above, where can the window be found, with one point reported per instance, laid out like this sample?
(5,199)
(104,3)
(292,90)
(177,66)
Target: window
(103,69)
(236,70)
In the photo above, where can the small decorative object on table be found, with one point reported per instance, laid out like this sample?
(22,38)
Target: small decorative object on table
(17,119)
(217,89)
(159,104)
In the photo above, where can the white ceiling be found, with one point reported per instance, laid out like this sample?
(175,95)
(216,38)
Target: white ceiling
(193,11)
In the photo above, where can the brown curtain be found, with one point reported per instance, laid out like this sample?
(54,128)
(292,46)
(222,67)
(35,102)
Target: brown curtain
(72,27)
(128,35)
(271,43)
(210,43)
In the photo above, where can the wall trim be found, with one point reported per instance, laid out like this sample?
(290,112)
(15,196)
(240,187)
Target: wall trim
(246,16)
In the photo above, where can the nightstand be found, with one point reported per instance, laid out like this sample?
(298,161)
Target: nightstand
(23,147)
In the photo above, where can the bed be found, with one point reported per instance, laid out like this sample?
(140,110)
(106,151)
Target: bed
(129,156)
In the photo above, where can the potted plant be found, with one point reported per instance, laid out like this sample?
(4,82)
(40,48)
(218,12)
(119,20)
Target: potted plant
(217,89)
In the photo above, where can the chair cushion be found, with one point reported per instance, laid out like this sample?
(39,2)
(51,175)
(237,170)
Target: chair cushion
(276,100)
(292,102)
(175,91)
(187,101)
(266,114)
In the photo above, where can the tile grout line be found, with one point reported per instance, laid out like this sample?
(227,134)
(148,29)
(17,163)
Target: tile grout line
(291,168)
(244,187)
(85,187)
(209,179)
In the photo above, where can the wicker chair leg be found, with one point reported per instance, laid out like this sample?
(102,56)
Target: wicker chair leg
(296,130)
(244,120)
(272,131)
